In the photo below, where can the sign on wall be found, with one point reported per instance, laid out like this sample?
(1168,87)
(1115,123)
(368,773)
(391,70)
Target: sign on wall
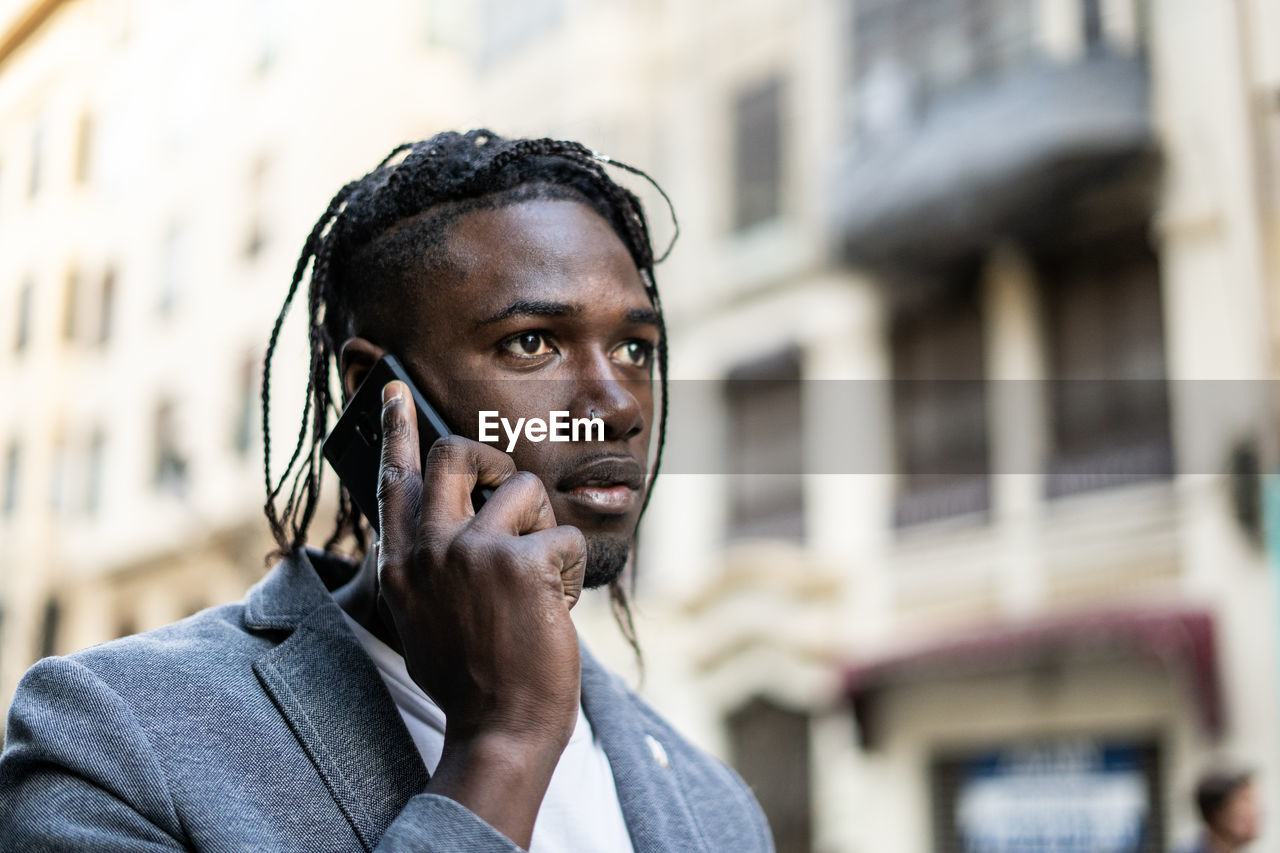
(1078,795)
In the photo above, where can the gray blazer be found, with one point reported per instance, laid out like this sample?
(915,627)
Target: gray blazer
(264,726)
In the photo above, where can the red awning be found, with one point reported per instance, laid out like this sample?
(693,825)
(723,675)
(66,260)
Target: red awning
(1181,641)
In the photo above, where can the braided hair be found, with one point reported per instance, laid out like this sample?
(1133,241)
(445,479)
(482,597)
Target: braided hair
(419,189)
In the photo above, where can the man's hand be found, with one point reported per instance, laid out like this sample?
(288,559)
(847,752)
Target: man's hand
(480,603)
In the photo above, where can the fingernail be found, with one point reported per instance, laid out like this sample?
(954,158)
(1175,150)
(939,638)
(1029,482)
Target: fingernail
(390,393)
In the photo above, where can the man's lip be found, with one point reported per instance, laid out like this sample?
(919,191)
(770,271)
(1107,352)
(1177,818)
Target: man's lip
(605,473)
(604,500)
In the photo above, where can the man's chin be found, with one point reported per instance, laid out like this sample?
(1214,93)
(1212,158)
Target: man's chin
(606,558)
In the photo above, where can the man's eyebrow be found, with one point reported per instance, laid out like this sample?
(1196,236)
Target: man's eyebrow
(532,308)
(648,316)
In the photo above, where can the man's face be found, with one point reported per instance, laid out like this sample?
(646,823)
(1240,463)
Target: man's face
(1239,820)
(543,310)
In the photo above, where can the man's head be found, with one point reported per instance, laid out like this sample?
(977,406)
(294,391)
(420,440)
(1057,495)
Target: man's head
(1228,804)
(507,275)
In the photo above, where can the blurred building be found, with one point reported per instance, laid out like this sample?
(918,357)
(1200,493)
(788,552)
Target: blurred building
(1023,255)
(1002,276)
(160,167)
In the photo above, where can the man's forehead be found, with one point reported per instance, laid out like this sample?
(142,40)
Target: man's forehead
(532,229)
(548,251)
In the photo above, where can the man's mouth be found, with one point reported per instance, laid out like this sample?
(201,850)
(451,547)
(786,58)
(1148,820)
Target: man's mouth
(609,486)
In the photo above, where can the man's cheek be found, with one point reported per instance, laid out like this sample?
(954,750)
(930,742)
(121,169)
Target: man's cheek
(527,458)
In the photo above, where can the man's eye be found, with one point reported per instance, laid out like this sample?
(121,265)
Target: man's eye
(527,345)
(634,353)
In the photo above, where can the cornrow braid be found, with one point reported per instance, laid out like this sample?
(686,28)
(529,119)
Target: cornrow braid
(449,174)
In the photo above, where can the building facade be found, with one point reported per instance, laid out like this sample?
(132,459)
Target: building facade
(1021,256)
(160,168)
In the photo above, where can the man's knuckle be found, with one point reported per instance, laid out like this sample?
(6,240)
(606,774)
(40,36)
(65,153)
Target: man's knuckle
(575,540)
(463,548)
(446,456)
(450,447)
(393,426)
(529,483)
(391,478)
(505,464)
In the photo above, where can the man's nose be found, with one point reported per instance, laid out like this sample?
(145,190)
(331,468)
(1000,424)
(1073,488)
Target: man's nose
(601,393)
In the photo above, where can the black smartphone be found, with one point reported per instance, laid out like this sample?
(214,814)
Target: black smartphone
(354,446)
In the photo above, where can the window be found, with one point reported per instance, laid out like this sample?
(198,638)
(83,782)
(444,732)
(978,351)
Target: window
(169,470)
(1142,15)
(1091,11)
(36,175)
(126,625)
(770,748)
(272,20)
(511,25)
(93,482)
(106,306)
(446,24)
(246,407)
(49,626)
(1003,33)
(84,149)
(71,305)
(60,476)
(1109,396)
(757,149)
(173,268)
(256,240)
(22,334)
(766,451)
(939,403)
(12,477)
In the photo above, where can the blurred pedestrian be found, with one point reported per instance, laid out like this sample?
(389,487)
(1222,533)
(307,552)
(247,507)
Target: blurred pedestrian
(1228,805)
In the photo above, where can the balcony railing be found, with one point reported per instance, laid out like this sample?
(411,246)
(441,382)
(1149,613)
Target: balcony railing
(963,130)
(910,54)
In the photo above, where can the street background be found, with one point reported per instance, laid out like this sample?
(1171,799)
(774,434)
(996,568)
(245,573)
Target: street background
(974,319)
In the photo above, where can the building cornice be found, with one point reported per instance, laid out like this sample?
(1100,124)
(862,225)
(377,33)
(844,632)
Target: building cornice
(24,24)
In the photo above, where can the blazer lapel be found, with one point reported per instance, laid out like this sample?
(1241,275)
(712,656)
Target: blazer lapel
(331,695)
(653,804)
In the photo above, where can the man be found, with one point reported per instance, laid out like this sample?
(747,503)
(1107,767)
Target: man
(433,697)
(1228,805)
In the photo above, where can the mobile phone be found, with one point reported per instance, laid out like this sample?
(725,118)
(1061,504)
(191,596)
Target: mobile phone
(354,446)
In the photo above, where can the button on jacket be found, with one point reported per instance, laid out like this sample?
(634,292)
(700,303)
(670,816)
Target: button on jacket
(264,726)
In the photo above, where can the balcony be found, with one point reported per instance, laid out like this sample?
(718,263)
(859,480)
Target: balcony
(935,174)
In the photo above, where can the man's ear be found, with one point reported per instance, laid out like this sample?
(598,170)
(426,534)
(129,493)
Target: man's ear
(355,359)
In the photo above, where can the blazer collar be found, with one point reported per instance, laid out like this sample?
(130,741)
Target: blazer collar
(645,770)
(330,693)
(298,585)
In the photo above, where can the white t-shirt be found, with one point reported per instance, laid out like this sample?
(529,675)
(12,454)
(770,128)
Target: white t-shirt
(580,812)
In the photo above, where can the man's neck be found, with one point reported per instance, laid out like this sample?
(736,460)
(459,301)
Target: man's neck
(359,598)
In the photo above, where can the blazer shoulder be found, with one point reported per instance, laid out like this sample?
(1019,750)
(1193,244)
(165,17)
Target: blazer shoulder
(213,644)
(723,803)
(73,740)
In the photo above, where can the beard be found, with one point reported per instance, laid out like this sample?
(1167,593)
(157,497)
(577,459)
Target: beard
(606,558)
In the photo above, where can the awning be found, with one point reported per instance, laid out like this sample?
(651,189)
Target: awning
(1181,641)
